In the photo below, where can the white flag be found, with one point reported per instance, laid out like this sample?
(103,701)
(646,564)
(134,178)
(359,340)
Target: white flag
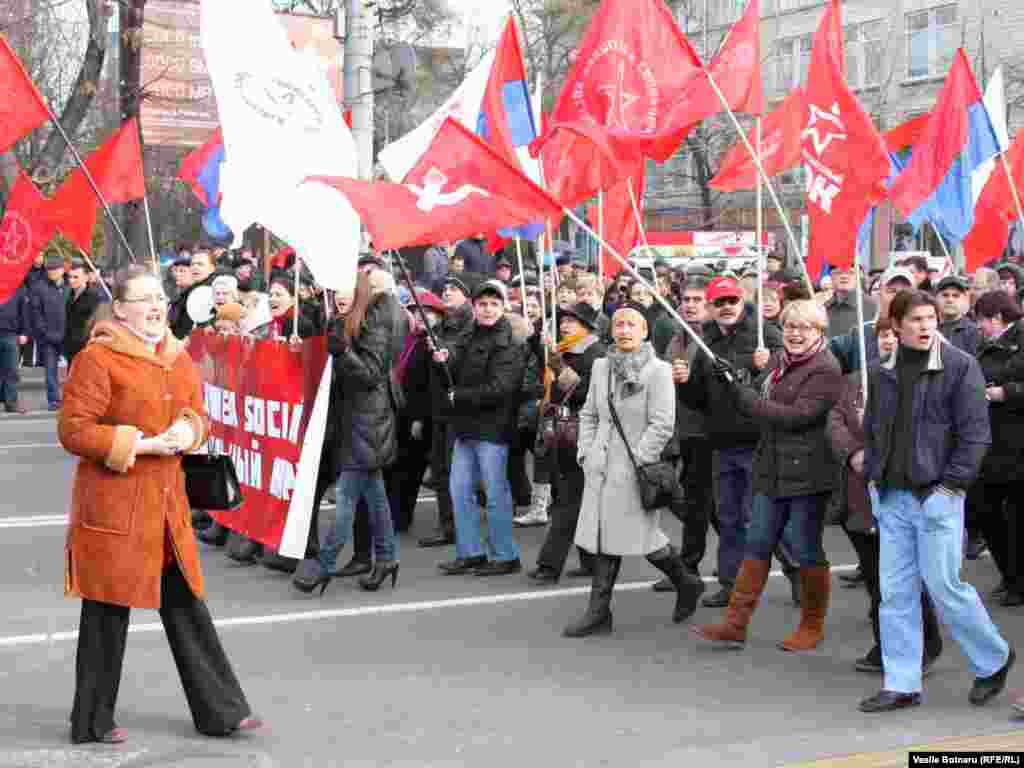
(281,123)
(399,157)
(995,105)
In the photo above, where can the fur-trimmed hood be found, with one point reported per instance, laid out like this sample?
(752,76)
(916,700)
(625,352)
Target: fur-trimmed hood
(113,334)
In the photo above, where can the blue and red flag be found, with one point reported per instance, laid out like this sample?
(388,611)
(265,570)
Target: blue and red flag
(937,183)
(201,170)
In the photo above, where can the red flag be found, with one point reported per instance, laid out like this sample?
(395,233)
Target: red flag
(631,77)
(24,232)
(201,166)
(620,225)
(996,210)
(506,114)
(458,188)
(580,159)
(116,167)
(906,134)
(844,155)
(22,108)
(781,144)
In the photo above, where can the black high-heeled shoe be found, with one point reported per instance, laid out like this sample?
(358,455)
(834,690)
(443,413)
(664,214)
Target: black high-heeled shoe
(380,573)
(303,583)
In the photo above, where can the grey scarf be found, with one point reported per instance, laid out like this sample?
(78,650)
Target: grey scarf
(627,365)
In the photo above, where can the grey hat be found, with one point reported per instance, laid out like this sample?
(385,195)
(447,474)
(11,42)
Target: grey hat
(895,273)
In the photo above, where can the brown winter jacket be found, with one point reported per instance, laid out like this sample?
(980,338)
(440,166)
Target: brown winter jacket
(123,507)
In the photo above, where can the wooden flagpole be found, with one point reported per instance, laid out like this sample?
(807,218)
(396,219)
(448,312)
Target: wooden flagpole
(522,274)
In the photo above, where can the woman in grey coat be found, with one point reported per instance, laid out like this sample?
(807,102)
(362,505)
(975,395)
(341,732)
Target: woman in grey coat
(613,522)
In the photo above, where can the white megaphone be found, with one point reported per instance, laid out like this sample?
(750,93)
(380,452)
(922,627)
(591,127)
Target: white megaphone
(200,304)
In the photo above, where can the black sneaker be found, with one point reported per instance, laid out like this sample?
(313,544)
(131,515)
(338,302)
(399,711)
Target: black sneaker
(887,701)
(462,565)
(542,574)
(987,688)
(871,662)
(975,548)
(498,568)
(718,600)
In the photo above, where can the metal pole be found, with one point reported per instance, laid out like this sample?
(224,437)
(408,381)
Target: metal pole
(358,83)
(861,343)
(764,176)
(522,275)
(639,219)
(759,231)
(149,229)
(600,231)
(99,277)
(945,250)
(637,276)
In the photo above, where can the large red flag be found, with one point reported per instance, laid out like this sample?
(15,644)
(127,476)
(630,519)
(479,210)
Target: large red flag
(631,76)
(996,210)
(22,108)
(580,159)
(117,169)
(24,232)
(621,230)
(781,145)
(844,156)
(458,188)
(906,134)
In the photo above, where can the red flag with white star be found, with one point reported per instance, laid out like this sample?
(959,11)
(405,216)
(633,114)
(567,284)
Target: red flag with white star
(844,155)
(24,231)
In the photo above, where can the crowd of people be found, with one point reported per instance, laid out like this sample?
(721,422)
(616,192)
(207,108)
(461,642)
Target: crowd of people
(548,398)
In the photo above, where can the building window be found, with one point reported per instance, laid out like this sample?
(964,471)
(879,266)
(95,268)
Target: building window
(932,39)
(788,63)
(865,52)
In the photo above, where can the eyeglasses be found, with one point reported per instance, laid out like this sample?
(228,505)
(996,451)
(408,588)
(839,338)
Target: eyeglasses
(727,301)
(802,330)
(153,299)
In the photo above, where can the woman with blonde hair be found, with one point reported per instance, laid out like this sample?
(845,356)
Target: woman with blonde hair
(133,404)
(794,473)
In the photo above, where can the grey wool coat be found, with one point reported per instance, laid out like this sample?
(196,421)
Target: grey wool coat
(612,520)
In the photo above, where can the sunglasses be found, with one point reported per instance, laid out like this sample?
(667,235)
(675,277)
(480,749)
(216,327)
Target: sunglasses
(727,301)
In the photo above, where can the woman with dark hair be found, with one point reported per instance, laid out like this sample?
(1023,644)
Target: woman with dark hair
(367,427)
(993,499)
(133,404)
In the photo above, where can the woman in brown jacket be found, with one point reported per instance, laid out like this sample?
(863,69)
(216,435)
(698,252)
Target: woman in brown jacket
(133,404)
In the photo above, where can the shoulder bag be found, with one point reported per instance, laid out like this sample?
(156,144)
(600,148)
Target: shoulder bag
(559,426)
(658,481)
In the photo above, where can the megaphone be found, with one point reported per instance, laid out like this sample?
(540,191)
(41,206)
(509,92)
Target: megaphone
(199,305)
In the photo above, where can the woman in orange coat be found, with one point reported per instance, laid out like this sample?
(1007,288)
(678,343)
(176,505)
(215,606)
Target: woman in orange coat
(132,406)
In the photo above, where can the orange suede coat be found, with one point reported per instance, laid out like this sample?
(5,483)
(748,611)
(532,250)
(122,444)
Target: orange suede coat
(124,508)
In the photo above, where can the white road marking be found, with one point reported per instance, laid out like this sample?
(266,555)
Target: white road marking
(26,446)
(367,610)
(44,521)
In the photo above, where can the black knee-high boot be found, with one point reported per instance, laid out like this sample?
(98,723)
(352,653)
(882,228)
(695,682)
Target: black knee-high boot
(689,587)
(598,616)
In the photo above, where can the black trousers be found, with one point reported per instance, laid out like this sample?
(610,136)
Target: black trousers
(522,489)
(696,508)
(868,549)
(565,513)
(403,478)
(442,444)
(211,688)
(995,512)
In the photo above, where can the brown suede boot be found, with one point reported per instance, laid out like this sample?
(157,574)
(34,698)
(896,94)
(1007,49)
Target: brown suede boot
(815,588)
(732,632)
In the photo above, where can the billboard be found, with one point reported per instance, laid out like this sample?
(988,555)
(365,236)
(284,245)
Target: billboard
(179,108)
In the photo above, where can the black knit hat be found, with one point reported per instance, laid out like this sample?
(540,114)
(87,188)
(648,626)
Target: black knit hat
(583,312)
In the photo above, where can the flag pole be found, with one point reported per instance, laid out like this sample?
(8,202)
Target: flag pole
(522,275)
(149,229)
(1013,189)
(423,318)
(99,277)
(295,321)
(91,180)
(637,276)
(543,301)
(759,233)
(600,231)
(861,343)
(636,215)
(764,175)
(945,249)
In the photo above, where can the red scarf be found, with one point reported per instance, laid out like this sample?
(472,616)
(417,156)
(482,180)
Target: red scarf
(278,322)
(788,362)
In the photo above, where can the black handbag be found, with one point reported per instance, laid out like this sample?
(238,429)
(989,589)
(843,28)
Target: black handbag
(211,482)
(658,481)
(559,426)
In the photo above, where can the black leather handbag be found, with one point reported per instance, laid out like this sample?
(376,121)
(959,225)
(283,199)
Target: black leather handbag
(211,482)
(658,481)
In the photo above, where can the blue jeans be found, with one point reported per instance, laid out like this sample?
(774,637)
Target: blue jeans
(48,355)
(733,470)
(799,520)
(923,542)
(473,461)
(9,369)
(353,485)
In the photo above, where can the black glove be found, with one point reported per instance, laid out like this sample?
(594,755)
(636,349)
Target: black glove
(723,371)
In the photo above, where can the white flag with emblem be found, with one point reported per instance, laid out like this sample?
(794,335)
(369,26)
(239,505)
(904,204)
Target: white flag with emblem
(281,123)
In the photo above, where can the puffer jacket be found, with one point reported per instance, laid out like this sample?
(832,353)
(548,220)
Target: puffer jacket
(533,371)
(487,366)
(726,427)
(368,432)
(1002,364)
(792,457)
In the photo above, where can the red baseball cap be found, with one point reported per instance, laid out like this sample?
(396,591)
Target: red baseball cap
(723,288)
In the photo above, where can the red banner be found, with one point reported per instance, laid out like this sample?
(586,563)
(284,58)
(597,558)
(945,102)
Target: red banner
(259,395)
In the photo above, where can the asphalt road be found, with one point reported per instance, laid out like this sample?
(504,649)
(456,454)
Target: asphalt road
(448,671)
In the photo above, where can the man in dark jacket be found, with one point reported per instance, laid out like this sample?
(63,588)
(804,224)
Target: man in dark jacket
(83,301)
(953,295)
(732,335)
(35,275)
(487,370)
(203,272)
(842,307)
(474,255)
(47,320)
(458,322)
(926,429)
(13,331)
